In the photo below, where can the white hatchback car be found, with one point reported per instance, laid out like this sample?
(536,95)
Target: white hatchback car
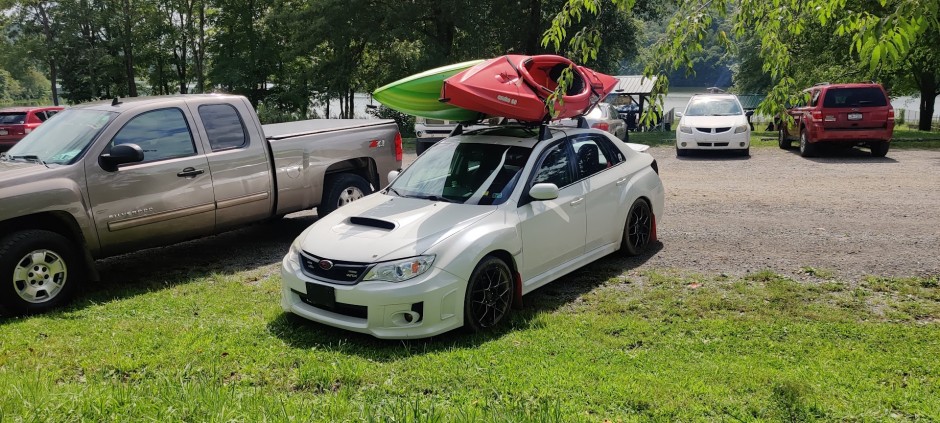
(713,122)
(477,221)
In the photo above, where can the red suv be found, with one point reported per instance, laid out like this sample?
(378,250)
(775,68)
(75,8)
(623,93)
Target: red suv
(844,114)
(16,122)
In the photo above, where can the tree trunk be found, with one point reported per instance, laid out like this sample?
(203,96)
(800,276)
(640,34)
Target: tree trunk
(534,36)
(50,42)
(929,88)
(129,51)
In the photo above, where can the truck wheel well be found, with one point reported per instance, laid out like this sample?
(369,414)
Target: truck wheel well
(59,222)
(362,166)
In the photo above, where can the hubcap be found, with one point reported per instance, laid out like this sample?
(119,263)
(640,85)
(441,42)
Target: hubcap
(39,276)
(349,195)
(490,296)
(640,227)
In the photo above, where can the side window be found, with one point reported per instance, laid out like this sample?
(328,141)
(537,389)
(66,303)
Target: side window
(162,134)
(41,116)
(224,126)
(554,167)
(815,99)
(593,155)
(50,113)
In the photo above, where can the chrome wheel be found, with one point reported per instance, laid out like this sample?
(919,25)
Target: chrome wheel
(39,276)
(489,294)
(349,195)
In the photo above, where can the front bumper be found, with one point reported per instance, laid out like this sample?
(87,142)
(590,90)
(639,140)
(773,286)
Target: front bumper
(721,141)
(428,305)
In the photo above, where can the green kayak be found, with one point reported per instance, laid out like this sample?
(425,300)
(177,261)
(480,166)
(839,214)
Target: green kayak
(418,94)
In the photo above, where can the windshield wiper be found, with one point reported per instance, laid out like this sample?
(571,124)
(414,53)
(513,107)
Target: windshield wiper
(436,198)
(30,158)
(392,190)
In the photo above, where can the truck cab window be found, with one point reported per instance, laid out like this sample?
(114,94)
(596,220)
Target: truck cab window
(162,134)
(224,126)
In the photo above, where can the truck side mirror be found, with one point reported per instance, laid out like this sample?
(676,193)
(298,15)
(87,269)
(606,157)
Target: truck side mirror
(121,154)
(392,175)
(749,113)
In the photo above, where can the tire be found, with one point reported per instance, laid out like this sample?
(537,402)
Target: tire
(807,148)
(490,292)
(637,229)
(39,271)
(340,190)
(879,148)
(782,140)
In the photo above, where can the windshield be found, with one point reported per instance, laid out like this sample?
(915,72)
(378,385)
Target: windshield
(466,173)
(705,106)
(63,139)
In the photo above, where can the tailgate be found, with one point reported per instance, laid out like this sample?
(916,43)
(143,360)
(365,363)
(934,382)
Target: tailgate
(855,108)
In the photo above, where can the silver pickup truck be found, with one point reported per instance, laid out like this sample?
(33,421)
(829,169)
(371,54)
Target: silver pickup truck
(112,177)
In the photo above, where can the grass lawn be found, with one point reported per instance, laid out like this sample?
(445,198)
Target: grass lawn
(594,346)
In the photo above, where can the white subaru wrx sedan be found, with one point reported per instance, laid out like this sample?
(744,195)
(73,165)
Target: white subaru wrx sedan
(477,221)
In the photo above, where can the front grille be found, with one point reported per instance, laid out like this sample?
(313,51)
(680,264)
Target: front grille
(713,130)
(361,312)
(341,272)
(712,144)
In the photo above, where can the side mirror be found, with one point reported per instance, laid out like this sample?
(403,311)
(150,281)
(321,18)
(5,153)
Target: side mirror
(544,191)
(749,113)
(121,154)
(678,114)
(392,175)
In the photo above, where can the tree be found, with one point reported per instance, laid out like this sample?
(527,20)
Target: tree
(880,33)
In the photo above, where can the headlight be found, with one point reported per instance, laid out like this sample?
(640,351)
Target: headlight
(740,129)
(293,255)
(685,129)
(400,270)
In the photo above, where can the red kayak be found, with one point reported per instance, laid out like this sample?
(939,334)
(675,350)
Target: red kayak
(516,87)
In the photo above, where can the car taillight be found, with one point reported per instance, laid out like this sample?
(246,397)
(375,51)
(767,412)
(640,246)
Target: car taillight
(890,114)
(602,126)
(399,151)
(817,114)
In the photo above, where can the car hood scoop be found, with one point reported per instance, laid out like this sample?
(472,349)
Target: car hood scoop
(381,227)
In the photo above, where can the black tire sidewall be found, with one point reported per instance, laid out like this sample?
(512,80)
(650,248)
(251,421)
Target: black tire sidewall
(14,247)
(626,247)
(469,322)
(335,185)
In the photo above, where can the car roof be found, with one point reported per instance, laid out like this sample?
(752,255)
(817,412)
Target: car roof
(845,85)
(24,109)
(715,95)
(131,102)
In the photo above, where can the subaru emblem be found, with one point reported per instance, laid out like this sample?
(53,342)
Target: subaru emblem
(326,264)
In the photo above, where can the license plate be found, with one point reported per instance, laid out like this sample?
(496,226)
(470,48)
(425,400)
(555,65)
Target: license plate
(3,132)
(321,295)
(855,116)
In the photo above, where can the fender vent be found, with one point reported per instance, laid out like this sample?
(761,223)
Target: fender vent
(375,223)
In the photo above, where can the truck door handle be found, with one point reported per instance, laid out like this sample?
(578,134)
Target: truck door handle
(190,172)
(577,202)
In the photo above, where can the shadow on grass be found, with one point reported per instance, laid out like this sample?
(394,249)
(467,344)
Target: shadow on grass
(300,333)
(137,273)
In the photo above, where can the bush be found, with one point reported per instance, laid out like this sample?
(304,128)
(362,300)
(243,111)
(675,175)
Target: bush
(406,123)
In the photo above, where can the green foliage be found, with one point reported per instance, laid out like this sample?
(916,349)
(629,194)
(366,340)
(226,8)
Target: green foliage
(406,123)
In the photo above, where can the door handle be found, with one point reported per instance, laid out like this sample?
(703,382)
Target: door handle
(621,181)
(577,202)
(190,172)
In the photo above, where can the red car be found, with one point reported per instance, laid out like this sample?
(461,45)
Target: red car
(844,114)
(16,122)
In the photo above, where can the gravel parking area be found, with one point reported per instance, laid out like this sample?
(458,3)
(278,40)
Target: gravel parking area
(845,212)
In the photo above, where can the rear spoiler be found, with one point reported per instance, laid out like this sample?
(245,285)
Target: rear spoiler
(638,147)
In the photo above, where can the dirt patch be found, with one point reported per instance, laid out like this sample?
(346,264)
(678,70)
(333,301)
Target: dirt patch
(845,212)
